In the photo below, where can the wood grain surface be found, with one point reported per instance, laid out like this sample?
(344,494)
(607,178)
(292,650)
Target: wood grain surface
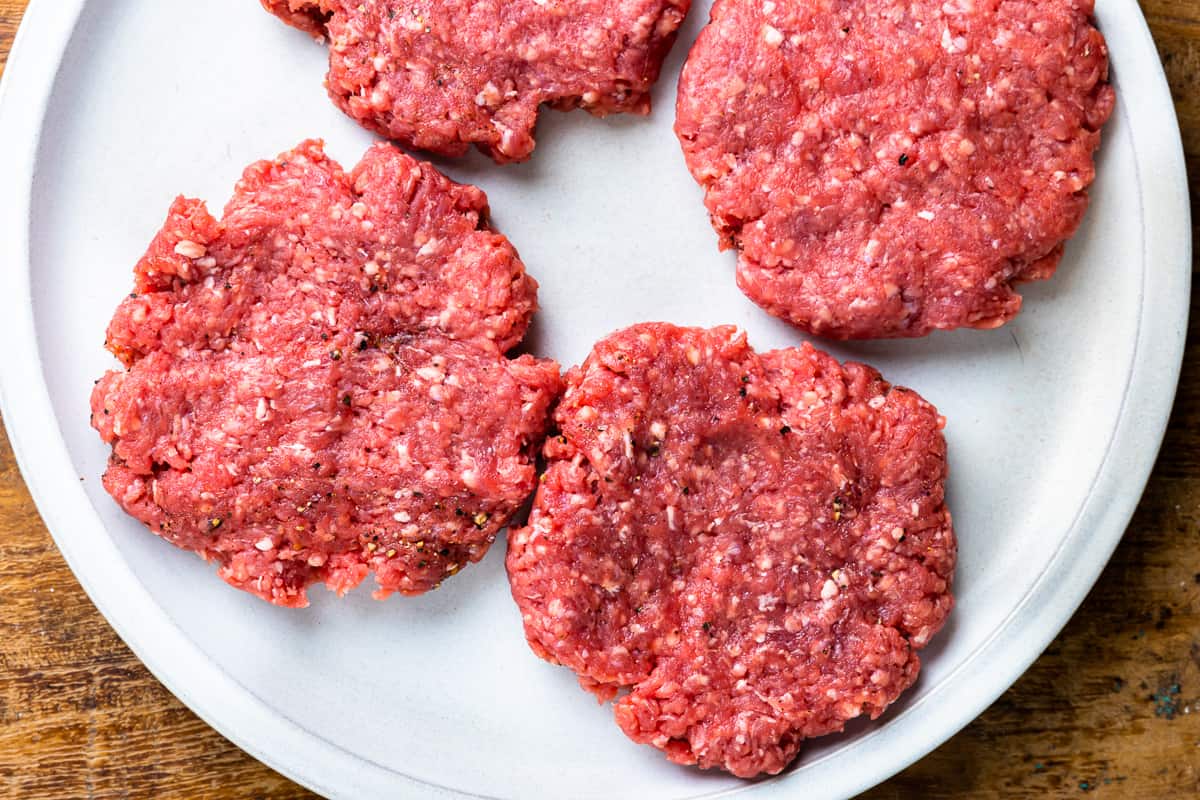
(1112,708)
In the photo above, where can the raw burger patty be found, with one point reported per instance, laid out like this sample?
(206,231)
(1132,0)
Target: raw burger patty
(890,168)
(316,385)
(442,75)
(754,545)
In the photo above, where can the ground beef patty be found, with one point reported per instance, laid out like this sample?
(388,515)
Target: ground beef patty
(754,545)
(441,75)
(316,385)
(890,168)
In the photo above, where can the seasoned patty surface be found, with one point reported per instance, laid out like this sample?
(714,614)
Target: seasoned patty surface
(316,385)
(890,168)
(442,75)
(754,545)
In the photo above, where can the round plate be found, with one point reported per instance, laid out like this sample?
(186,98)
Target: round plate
(111,107)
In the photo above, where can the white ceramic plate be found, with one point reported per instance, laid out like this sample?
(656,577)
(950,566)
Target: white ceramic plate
(111,107)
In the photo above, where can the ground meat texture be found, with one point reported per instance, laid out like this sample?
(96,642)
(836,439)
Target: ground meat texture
(442,75)
(316,385)
(890,168)
(755,546)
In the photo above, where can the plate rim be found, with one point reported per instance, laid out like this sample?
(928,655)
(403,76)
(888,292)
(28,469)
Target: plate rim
(304,756)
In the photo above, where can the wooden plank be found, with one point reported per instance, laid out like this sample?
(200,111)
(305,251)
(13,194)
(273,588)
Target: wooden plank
(1112,708)
(10,14)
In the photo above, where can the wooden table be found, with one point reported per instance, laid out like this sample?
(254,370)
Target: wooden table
(1111,708)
